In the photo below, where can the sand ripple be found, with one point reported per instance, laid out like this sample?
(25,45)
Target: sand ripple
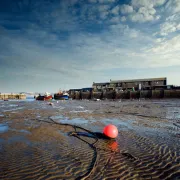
(47,152)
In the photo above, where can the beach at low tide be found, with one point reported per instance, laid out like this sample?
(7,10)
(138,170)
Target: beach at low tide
(33,147)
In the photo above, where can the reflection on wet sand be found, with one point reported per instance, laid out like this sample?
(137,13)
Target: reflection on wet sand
(147,146)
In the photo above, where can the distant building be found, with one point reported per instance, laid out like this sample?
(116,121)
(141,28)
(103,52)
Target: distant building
(89,89)
(139,84)
(74,90)
(100,86)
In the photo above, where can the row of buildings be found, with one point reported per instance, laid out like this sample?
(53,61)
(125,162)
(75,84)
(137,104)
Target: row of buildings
(133,84)
(128,85)
(4,96)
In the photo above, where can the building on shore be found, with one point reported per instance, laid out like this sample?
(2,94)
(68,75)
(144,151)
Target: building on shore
(74,90)
(4,96)
(124,85)
(88,89)
(132,84)
(98,87)
(139,84)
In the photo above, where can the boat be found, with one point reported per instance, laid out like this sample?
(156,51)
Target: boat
(61,95)
(45,97)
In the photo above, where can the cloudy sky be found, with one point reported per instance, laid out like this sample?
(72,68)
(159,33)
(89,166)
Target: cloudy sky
(47,44)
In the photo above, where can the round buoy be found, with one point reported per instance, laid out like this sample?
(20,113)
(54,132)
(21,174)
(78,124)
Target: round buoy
(110,131)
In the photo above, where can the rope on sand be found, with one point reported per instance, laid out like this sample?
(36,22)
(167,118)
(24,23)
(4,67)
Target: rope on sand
(87,174)
(75,134)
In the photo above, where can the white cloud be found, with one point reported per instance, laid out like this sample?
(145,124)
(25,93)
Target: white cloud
(104,15)
(123,18)
(162,48)
(86,53)
(159,2)
(117,46)
(103,8)
(116,19)
(138,17)
(174,17)
(147,11)
(157,17)
(159,40)
(126,9)
(169,27)
(94,13)
(147,3)
(172,6)
(119,28)
(140,3)
(144,14)
(115,10)
(168,48)
(82,50)
(164,54)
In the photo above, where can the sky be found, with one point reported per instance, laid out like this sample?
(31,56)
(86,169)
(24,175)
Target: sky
(46,45)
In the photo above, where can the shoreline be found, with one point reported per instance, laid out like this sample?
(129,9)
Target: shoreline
(148,137)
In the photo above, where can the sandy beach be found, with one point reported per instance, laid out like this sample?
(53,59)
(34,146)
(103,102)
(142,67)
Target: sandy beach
(33,147)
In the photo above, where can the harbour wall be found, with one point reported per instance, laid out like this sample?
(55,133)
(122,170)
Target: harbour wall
(147,94)
(12,96)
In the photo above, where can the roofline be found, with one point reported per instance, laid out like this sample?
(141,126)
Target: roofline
(75,89)
(101,83)
(87,88)
(135,80)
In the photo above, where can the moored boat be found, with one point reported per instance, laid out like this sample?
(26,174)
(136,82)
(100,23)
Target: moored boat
(45,97)
(61,96)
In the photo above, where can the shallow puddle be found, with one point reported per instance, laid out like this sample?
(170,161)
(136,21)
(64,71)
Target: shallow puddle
(15,139)
(121,124)
(4,128)
(74,121)
(21,130)
(81,111)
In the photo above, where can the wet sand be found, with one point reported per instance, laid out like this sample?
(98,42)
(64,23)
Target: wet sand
(147,147)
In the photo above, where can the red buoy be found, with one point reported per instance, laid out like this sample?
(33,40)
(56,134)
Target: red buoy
(110,131)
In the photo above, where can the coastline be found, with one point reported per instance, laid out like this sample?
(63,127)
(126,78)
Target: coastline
(148,131)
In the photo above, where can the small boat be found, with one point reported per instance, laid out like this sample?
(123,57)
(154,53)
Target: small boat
(61,95)
(45,97)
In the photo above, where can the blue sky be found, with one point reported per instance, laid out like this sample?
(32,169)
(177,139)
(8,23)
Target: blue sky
(46,45)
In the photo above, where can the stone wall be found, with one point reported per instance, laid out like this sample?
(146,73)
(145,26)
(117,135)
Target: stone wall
(86,95)
(97,95)
(171,93)
(146,94)
(154,94)
(123,95)
(157,94)
(12,96)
